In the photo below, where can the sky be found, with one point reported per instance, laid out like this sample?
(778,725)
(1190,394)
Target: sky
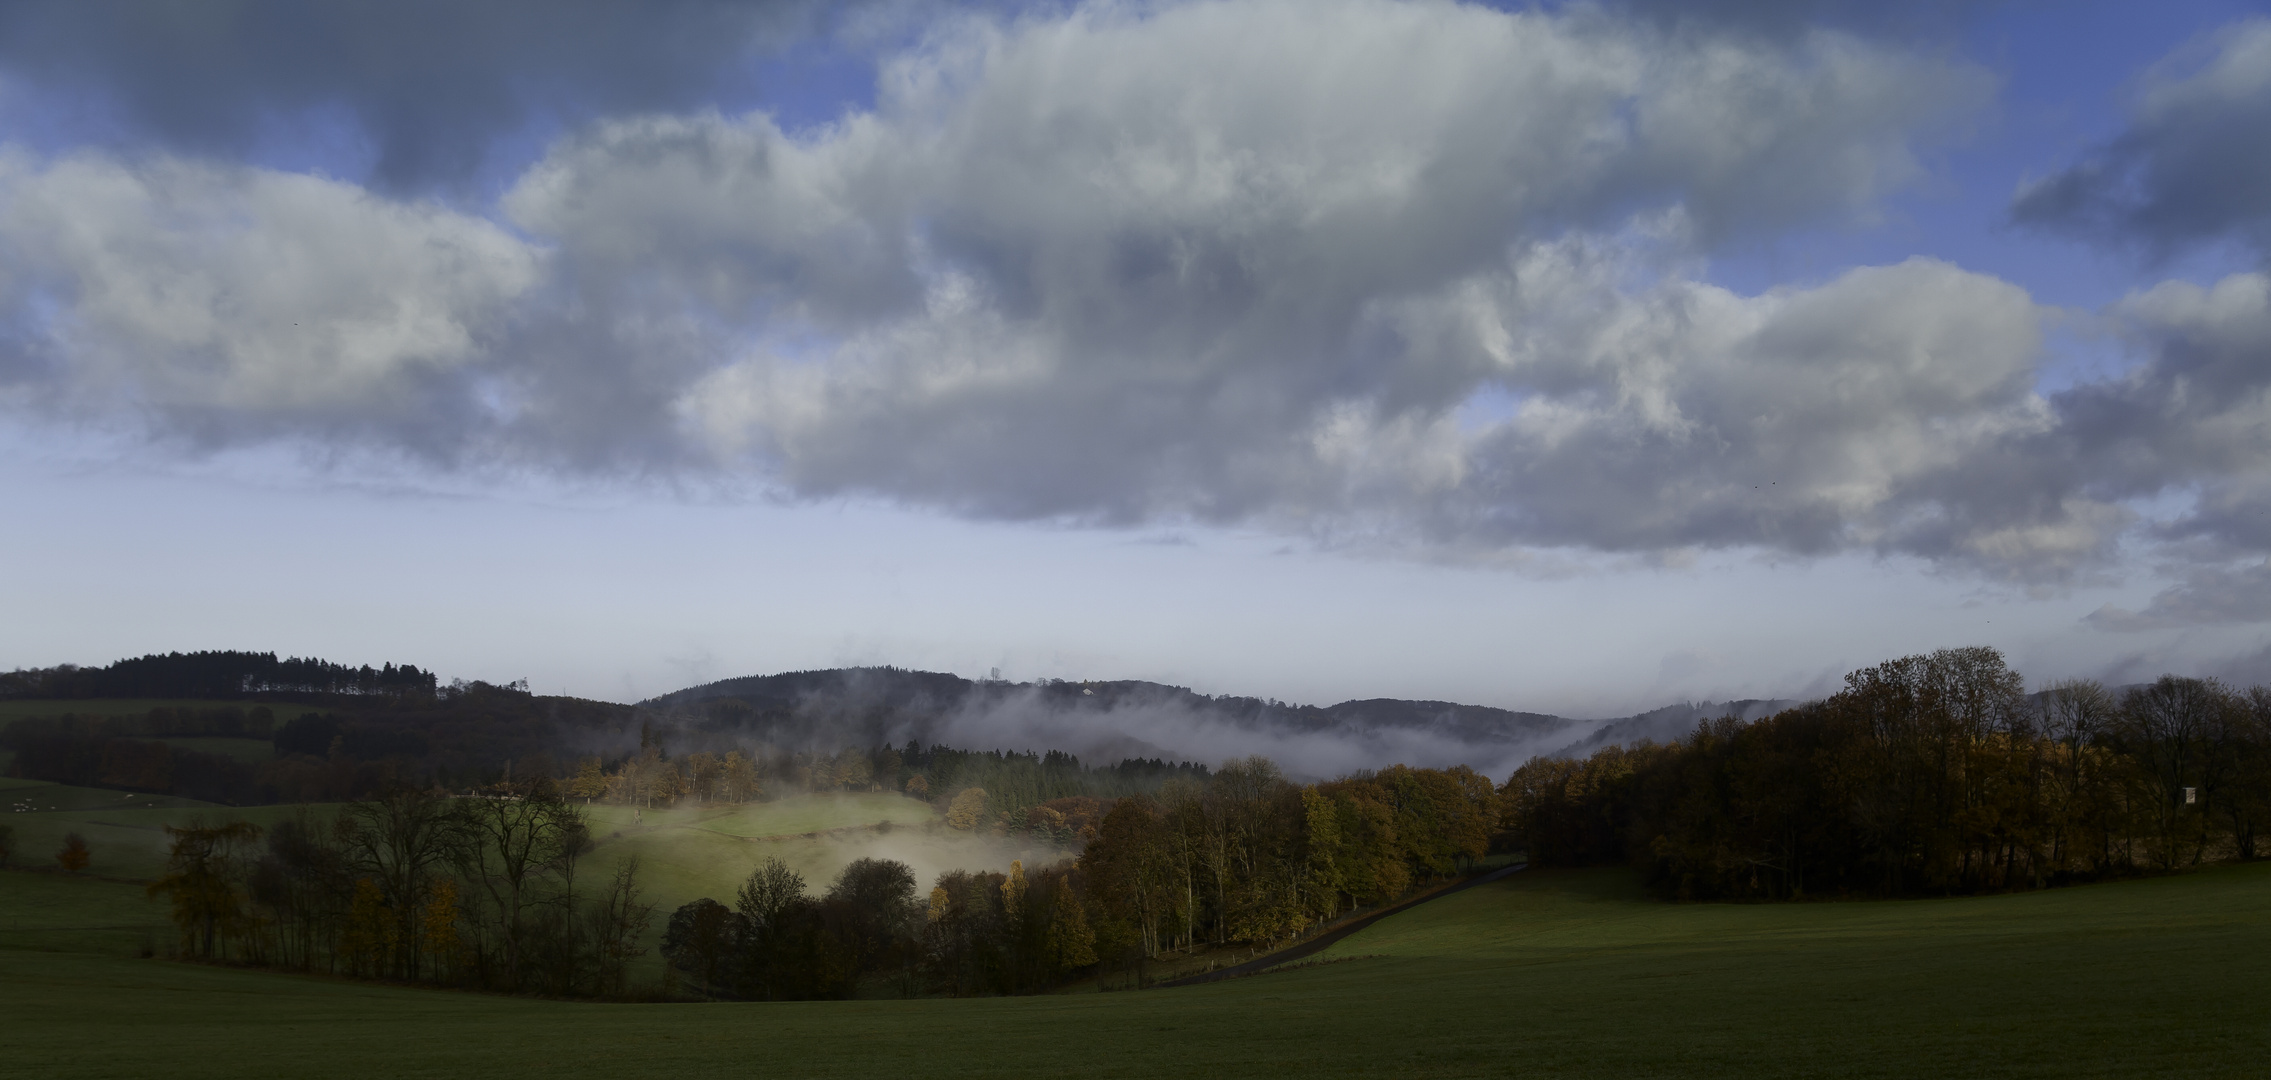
(1578,358)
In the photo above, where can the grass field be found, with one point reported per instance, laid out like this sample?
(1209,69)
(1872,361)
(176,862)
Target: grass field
(692,853)
(248,750)
(684,854)
(1544,975)
(18,710)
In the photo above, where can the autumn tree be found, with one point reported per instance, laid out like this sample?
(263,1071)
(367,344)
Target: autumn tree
(590,781)
(967,810)
(399,842)
(204,884)
(1071,943)
(737,781)
(74,857)
(438,930)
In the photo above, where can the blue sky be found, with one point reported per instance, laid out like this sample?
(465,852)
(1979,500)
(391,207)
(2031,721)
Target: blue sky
(1578,359)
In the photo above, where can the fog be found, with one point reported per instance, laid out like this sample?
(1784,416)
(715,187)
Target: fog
(1106,722)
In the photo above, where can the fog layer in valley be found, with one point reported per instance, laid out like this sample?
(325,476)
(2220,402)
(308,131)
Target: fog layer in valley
(1103,722)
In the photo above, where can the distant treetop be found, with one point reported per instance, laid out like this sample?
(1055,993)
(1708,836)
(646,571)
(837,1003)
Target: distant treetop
(215,674)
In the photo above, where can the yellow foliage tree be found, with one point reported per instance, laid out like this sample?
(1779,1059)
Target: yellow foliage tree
(438,928)
(940,901)
(967,809)
(367,941)
(739,782)
(74,856)
(1072,943)
(1013,890)
(590,782)
(207,904)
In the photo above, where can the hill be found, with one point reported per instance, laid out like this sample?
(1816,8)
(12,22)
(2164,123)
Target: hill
(1111,720)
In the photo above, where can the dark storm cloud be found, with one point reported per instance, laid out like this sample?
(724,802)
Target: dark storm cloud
(2193,164)
(429,82)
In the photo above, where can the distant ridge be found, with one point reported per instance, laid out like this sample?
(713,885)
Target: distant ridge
(1132,718)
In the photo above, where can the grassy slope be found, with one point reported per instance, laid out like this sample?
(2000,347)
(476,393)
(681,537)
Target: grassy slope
(247,750)
(684,854)
(1545,975)
(691,853)
(17,710)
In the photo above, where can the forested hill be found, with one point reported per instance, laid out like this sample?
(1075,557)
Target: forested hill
(215,675)
(1105,720)
(897,698)
(335,731)
(1672,723)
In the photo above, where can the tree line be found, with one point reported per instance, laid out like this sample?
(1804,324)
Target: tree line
(1052,795)
(490,891)
(487,892)
(1924,775)
(465,738)
(216,674)
(975,933)
(1242,856)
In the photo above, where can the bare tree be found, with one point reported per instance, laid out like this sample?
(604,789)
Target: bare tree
(398,842)
(517,839)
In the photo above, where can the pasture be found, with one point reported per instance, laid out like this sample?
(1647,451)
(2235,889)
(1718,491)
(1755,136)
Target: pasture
(1547,974)
(684,853)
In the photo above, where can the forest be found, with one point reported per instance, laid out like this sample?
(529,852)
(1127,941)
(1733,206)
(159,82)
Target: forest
(490,889)
(1926,775)
(220,674)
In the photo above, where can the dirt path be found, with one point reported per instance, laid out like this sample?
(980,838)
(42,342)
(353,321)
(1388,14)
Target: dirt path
(1327,939)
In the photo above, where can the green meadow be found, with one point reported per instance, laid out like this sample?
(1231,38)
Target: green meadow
(20,709)
(240,749)
(684,853)
(1547,974)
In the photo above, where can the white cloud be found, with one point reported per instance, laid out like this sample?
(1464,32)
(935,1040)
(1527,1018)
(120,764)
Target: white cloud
(245,297)
(1416,273)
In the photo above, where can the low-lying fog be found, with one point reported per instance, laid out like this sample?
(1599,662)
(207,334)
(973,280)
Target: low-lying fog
(1107,722)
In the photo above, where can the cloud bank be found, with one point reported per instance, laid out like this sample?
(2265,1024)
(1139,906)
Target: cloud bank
(1421,276)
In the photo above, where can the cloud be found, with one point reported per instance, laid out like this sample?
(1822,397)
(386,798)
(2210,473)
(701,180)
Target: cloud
(232,302)
(1419,275)
(429,83)
(2249,669)
(1235,261)
(1795,16)
(2209,596)
(2192,166)
(2195,417)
